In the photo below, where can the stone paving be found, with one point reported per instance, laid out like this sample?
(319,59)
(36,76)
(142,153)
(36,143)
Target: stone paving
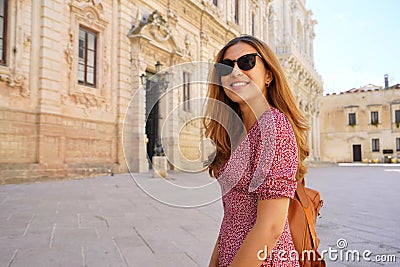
(111,221)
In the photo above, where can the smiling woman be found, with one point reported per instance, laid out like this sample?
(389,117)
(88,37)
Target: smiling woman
(257,167)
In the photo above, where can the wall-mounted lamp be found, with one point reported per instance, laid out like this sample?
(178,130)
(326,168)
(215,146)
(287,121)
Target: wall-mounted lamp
(143,79)
(158,67)
(161,79)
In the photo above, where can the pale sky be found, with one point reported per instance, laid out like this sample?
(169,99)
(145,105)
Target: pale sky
(357,42)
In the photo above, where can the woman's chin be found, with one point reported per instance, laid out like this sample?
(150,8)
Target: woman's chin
(239,99)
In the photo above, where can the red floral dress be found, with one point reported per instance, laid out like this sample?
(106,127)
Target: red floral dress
(268,150)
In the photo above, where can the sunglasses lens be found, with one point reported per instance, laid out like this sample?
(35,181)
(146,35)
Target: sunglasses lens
(247,62)
(224,68)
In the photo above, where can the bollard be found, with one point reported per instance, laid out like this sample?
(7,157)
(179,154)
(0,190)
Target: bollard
(160,166)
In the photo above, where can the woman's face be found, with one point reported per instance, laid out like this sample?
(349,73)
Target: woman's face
(244,87)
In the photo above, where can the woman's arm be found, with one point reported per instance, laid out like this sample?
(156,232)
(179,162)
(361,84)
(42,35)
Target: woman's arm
(271,219)
(214,257)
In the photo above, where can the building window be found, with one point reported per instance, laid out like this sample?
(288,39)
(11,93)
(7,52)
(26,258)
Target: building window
(397,116)
(352,119)
(186,91)
(237,11)
(3,31)
(375,145)
(374,118)
(87,57)
(215,2)
(397,144)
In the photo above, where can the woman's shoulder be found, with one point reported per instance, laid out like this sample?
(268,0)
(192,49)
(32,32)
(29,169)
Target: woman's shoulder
(279,119)
(278,115)
(283,128)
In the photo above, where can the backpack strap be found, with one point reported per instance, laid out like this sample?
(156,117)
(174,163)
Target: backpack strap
(301,193)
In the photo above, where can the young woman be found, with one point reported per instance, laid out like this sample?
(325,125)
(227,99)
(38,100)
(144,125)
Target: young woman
(257,168)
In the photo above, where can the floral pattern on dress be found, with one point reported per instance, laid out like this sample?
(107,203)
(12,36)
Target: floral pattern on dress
(268,150)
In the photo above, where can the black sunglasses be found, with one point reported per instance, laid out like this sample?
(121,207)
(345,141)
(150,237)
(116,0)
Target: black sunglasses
(245,62)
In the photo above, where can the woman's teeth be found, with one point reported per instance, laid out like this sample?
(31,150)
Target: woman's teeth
(238,84)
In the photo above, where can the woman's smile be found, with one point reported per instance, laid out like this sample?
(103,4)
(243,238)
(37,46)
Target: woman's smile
(236,85)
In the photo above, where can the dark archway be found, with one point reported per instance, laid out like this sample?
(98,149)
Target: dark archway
(152,116)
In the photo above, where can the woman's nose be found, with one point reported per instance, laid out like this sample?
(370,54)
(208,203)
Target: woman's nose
(236,70)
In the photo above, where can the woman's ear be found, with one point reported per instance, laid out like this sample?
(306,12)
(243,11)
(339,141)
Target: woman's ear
(268,77)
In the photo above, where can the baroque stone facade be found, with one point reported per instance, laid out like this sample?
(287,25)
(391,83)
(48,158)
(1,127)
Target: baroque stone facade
(291,34)
(362,125)
(64,112)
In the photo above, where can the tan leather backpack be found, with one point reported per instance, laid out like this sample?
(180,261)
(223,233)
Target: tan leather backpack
(303,211)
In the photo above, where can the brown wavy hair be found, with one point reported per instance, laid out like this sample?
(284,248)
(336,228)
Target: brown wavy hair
(278,96)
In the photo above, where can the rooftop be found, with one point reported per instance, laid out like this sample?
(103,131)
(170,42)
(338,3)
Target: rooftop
(367,88)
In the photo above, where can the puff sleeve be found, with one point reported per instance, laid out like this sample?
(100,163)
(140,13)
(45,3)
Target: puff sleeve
(281,178)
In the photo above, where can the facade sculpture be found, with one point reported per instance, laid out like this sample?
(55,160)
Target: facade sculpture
(69,70)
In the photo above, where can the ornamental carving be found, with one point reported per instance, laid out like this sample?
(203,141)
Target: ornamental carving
(88,100)
(91,10)
(154,19)
(211,8)
(204,37)
(15,80)
(154,27)
(271,14)
(88,13)
(157,25)
(172,17)
(293,6)
(96,3)
(69,52)
(139,64)
(188,45)
(85,99)
(255,4)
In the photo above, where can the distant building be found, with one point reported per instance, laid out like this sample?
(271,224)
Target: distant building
(68,70)
(361,124)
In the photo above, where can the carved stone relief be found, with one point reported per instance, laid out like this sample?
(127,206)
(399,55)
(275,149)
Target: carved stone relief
(172,17)
(69,52)
(154,27)
(106,66)
(188,46)
(90,14)
(139,64)
(204,37)
(15,80)
(155,24)
(95,3)
(255,4)
(211,8)
(20,43)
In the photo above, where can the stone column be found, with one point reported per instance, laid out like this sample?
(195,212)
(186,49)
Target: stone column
(318,151)
(124,79)
(49,82)
(134,137)
(170,132)
(314,125)
(310,137)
